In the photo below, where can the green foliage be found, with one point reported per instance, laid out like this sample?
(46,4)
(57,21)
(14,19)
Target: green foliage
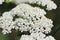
(4,37)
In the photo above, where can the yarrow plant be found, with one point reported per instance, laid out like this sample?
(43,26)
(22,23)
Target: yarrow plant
(31,19)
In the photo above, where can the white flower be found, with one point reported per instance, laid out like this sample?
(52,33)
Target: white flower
(36,36)
(50,4)
(29,18)
(7,15)
(26,37)
(49,38)
(5,31)
(1,1)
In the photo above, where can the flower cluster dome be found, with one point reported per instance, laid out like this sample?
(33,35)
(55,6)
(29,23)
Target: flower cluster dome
(30,19)
(49,3)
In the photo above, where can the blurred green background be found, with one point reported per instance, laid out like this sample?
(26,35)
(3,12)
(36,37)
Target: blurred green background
(53,14)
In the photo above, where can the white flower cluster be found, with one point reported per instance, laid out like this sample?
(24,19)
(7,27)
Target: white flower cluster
(29,18)
(1,1)
(36,36)
(6,23)
(50,4)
